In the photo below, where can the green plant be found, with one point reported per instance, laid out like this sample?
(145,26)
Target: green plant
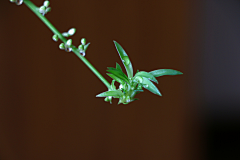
(130,84)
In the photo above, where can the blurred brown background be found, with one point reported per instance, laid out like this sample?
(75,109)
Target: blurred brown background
(48,108)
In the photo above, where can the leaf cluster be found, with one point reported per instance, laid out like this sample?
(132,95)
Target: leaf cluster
(131,85)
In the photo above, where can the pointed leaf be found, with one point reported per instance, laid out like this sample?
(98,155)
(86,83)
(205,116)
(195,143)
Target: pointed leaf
(125,59)
(116,78)
(134,99)
(112,85)
(150,86)
(147,75)
(139,90)
(111,68)
(119,71)
(163,72)
(86,47)
(118,67)
(119,75)
(116,93)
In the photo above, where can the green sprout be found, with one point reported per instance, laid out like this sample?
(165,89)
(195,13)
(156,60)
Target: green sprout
(129,85)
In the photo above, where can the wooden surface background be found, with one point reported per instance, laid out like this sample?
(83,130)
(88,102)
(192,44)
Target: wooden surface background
(48,108)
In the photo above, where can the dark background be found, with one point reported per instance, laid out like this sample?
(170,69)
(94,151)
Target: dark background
(48,108)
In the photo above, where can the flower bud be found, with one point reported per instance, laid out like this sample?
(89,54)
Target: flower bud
(42,9)
(83,41)
(71,31)
(55,37)
(65,34)
(48,10)
(62,46)
(69,42)
(46,3)
(107,99)
(81,47)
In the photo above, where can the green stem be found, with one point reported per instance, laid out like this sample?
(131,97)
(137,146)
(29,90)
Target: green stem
(74,49)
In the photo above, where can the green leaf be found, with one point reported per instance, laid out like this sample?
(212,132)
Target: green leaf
(134,99)
(112,85)
(116,93)
(139,90)
(136,92)
(85,47)
(118,67)
(163,72)
(147,75)
(116,78)
(117,70)
(112,68)
(119,74)
(150,86)
(83,41)
(125,59)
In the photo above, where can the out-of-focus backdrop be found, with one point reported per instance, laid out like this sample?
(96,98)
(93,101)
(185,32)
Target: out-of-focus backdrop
(48,108)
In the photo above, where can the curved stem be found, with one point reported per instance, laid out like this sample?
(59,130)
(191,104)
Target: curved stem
(30,5)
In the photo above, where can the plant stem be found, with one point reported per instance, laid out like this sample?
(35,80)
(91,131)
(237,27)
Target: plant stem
(30,5)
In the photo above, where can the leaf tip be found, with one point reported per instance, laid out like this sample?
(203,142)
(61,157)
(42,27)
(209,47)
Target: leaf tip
(116,43)
(158,93)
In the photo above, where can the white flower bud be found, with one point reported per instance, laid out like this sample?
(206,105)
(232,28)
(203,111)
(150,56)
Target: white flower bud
(46,3)
(71,31)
